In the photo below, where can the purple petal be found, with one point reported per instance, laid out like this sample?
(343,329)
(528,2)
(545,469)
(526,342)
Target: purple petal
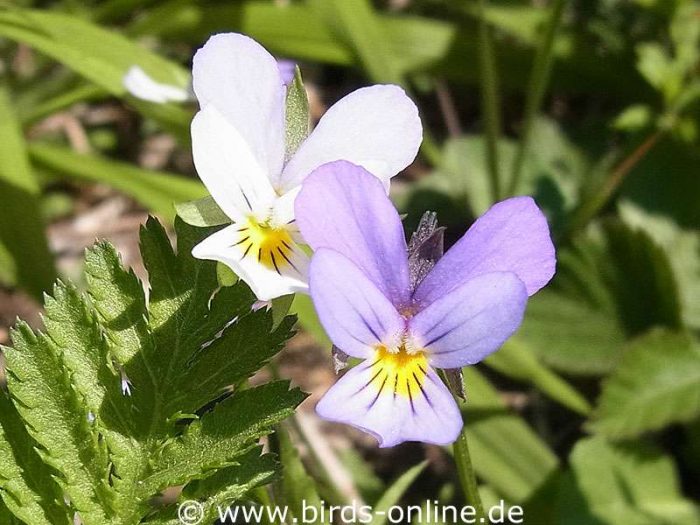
(512,236)
(364,398)
(287,69)
(355,314)
(472,321)
(343,207)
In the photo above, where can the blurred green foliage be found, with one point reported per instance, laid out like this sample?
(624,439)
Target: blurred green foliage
(589,106)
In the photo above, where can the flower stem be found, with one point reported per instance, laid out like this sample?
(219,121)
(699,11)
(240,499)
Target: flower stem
(539,78)
(600,198)
(467,478)
(465,470)
(490,100)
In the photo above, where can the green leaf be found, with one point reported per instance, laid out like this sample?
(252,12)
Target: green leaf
(506,453)
(569,335)
(280,308)
(657,383)
(297,117)
(26,259)
(56,417)
(303,307)
(355,22)
(27,486)
(127,395)
(99,55)
(218,491)
(202,212)
(658,69)
(298,489)
(553,171)
(154,190)
(516,359)
(595,302)
(222,435)
(395,492)
(634,118)
(682,247)
(368,483)
(623,485)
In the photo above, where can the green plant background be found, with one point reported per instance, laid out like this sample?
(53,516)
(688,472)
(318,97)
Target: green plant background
(590,414)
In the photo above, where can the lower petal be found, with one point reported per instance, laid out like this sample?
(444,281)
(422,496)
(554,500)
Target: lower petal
(394,405)
(271,270)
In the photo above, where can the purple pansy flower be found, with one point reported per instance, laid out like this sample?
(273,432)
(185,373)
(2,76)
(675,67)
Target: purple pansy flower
(460,312)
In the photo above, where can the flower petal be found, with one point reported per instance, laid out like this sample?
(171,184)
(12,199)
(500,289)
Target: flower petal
(512,236)
(356,315)
(370,404)
(343,207)
(239,77)
(376,127)
(139,84)
(287,69)
(283,209)
(265,282)
(227,167)
(472,321)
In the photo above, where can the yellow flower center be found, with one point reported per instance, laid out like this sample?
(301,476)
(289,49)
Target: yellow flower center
(399,372)
(272,247)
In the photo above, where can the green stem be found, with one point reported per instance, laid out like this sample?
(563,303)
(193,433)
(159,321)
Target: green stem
(263,497)
(539,78)
(490,100)
(465,470)
(467,478)
(590,207)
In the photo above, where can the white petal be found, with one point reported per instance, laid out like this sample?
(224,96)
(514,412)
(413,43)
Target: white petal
(283,209)
(227,167)
(138,83)
(240,78)
(377,128)
(266,283)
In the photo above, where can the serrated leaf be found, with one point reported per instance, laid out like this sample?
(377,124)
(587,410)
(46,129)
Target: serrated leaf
(225,433)
(27,486)
(223,489)
(57,418)
(229,359)
(296,114)
(128,395)
(280,308)
(202,212)
(628,484)
(656,383)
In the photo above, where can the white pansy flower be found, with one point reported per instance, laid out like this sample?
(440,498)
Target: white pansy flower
(238,143)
